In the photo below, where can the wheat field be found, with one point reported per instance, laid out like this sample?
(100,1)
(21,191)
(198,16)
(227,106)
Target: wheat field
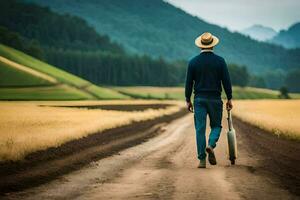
(26,127)
(281,117)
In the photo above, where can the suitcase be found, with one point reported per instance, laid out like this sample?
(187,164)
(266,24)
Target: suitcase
(231,138)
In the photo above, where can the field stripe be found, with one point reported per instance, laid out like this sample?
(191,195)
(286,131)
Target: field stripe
(28,70)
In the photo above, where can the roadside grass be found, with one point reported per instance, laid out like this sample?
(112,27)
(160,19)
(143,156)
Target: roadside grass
(26,127)
(280,117)
(177,93)
(58,92)
(14,77)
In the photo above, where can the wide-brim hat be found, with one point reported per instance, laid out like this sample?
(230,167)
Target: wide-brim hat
(206,40)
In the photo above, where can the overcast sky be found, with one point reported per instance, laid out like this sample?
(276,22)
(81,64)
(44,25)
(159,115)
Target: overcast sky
(240,14)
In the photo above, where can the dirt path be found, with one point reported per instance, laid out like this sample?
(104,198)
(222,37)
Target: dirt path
(165,168)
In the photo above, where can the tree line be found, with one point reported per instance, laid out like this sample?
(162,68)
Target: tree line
(274,80)
(106,68)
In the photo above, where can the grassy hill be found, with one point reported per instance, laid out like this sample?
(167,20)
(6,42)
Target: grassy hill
(30,82)
(159,29)
(71,44)
(12,77)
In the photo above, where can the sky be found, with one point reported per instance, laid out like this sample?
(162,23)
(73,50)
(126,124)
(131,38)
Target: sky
(239,14)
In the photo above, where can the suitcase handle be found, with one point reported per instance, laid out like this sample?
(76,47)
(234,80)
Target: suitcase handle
(229,119)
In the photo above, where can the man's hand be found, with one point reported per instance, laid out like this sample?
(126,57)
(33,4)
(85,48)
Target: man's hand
(229,105)
(190,106)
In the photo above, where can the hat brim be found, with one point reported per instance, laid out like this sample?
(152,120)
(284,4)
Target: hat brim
(199,44)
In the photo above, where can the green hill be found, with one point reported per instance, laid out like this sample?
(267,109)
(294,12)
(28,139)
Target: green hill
(33,84)
(288,38)
(159,29)
(70,43)
(12,77)
(52,30)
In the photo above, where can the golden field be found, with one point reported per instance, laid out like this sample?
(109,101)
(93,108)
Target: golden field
(26,127)
(281,117)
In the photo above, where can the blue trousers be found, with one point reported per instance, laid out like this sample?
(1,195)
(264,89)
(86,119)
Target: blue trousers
(213,108)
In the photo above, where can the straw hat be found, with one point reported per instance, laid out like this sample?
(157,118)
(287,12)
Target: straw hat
(206,40)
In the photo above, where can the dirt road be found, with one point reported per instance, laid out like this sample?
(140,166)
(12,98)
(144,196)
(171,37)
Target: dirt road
(164,167)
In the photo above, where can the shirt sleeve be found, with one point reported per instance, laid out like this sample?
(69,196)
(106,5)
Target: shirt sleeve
(189,83)
(226,81)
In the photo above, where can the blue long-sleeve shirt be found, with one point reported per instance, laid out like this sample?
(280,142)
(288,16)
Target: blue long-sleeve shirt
(207,72)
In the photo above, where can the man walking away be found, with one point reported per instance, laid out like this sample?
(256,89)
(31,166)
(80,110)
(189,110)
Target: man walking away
(206,73)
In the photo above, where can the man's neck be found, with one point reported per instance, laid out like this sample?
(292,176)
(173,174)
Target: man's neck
(207,50)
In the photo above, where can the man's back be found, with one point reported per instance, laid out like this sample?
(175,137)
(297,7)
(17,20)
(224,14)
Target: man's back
(207,72)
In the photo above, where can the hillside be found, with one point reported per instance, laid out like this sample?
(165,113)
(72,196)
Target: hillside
(12,76)
(259,32)
(26,78)
(289,38)
(52,30)
(158,28)
(69,43)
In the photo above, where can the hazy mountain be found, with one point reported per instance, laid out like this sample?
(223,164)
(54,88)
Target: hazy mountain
(259,32)
(158,29)
(288,38)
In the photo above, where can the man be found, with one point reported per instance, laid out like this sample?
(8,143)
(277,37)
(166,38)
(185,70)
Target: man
(206,73)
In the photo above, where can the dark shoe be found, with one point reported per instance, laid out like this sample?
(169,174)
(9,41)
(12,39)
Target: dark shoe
(211,156)
(202,163)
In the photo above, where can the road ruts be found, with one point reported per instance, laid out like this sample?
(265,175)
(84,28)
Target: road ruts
(165,167)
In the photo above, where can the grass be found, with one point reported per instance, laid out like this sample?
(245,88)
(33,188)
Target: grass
(104,93)
(59,92)
(162,93)
(253,93)
(178,93)
(26,127)
(14,77)
(40,66)
(75,88)
(280,117)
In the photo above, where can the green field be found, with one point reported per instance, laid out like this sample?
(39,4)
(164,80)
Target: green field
(14,77)
(40,66)
(178,93)
(59,92)
(16,84)
(105,93)
(152,92)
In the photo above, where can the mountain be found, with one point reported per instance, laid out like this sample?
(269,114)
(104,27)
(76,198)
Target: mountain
(158,29)
(259,32)
(289,38)
(26,78)
(52,30)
